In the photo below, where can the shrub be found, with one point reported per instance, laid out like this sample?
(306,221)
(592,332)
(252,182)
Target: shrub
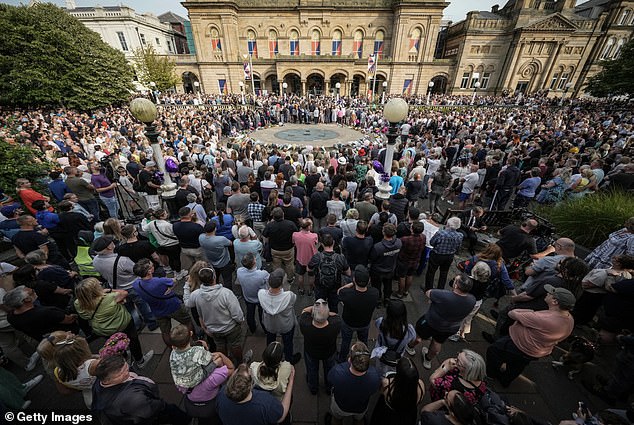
(589,220)
(21,160)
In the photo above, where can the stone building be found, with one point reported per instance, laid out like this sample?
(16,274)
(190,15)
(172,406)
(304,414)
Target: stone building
(322,46)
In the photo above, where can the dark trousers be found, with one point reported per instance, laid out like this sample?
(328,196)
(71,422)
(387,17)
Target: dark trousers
(287,342)
(226,272)
(436,261)
(92,206)
(251,307)
(471,238)
(346,338)
(504,351)
(312,370)
(329,295)
(502,198)
(382,280)
(135,344)
(173,253)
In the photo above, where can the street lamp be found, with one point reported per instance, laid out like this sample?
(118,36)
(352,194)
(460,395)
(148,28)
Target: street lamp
(197,89)
(284,86)
(394,111)
(476,86)
(145,111)
(430,87)
(567,87)
(338,87)
(384,90)
(250,56)
(153,91)
(241,84)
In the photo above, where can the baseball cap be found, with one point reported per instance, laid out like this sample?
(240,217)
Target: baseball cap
(8,210)
(102,243)
(361,274)
(565,298)
(150,164)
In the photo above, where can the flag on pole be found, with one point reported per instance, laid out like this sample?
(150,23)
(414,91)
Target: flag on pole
(371,64)
(247,70)
(407,87)
(222,85)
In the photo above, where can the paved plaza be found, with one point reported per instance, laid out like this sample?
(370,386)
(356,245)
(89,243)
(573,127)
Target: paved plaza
(322,135)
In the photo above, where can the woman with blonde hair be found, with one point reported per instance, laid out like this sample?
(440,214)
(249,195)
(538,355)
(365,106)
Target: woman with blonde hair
(75,367)
(106,314)
(46,350)
(112,227)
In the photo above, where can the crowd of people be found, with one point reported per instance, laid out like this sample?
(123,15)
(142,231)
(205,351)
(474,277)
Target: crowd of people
(255,232)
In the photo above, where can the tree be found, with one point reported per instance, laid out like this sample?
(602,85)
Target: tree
(19,160)
(617,76)
(151,67)
(49,58)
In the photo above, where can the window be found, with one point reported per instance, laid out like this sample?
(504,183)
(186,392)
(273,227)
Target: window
(607,51)
(294,43)
(142,36)
(625,17)
(169,46)
(158,42)
(252,44)
(124,44)
(414,41)
(619,45)
(485,80)
(553,82)
(315,43)
(273,46)
(378,44)
(215,41)
(464,83)
(357,44)
(336,43)
(475,77)
(563,80)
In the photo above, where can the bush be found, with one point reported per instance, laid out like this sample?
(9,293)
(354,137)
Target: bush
(19,160)
(589,220)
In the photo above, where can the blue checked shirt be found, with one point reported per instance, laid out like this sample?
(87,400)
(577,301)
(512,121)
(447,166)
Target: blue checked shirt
(446,242)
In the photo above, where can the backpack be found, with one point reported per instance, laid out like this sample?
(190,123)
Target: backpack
(329,276)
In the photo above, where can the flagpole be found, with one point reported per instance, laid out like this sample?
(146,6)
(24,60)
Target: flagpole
(376,69)
(252,75)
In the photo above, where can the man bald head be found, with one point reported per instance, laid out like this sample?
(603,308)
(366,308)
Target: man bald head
(319,187)
(565,246)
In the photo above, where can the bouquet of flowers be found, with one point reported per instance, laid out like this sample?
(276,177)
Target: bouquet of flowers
(117,344)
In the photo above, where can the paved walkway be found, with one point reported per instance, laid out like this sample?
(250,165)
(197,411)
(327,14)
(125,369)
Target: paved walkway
(322,135)
(541,390)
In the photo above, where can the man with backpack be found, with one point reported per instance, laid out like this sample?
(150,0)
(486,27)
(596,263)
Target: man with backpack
(327,267)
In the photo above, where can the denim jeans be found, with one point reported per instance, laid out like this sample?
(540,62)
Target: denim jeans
(287,342)
(92,206)
(312,370)
(251,307)
(112,204)
(346,338)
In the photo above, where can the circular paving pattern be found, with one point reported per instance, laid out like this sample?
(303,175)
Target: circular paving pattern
(306,135)
(325,135)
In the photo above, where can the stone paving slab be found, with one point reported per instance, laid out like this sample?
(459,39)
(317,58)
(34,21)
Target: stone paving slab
(306,134)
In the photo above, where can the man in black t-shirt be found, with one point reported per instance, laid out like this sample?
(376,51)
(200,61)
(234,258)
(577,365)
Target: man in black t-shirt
(149,184)
(28,240)
(320,329)
(184,189)
(359,302)
(514,240)
(187,232)
(357,249)
(279,233)
(328,261)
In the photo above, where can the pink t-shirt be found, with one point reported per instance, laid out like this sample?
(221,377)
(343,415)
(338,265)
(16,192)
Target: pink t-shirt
(305,246)
(537,332)
(208,389)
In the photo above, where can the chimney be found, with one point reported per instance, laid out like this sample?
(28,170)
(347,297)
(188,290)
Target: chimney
(495,8)
(70,4)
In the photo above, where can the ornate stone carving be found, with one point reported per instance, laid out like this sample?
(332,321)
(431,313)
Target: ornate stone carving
(554,23)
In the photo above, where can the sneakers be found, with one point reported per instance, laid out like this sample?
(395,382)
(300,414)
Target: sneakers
(35,357)
(181,274)
(426,362)
(454,338)
(144,361)
(410,350)
(29,385)
(296,358)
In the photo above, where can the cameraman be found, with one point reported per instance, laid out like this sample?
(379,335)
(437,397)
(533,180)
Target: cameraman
(105,189)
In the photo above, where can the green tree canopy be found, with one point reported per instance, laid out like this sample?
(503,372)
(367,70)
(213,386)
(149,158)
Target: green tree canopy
(617,76)
(18,160)
(49,58)
(151,67)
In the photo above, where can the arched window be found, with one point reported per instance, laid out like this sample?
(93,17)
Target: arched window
(336,43)
(252,44)
(607,51)
(357,44)
(273,46)
(378,44)
(216,47)
(414,41)
(625,17)
(315,43)
(619,46)
(294,43)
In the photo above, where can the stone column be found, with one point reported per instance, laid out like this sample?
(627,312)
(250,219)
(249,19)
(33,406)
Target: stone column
(303,88)
(279,83)
(327,88)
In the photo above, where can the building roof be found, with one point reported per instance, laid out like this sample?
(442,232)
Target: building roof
(91,8)
(171,17)
(489,15)
(591,3)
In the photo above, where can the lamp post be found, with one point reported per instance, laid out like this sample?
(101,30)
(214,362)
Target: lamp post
(284,86)
(338,87)
(383,94)
(145,111)
(153,92)
(394,111)
(567,87)
(241,84)
(476,86)
(250,56)
(430,87)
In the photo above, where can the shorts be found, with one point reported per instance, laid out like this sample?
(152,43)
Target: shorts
(464,196)
(404,269)
(299,269)
(425,331)
(181,316)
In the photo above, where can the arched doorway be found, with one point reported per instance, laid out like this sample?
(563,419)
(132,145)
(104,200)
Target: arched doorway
(271,85)
(315,84)
(358,84)
(257,84)
(376,87)
(189,78)
(294,83)
(440,84)
(337,78)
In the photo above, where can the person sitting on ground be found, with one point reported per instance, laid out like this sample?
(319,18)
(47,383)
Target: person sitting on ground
(465,373)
